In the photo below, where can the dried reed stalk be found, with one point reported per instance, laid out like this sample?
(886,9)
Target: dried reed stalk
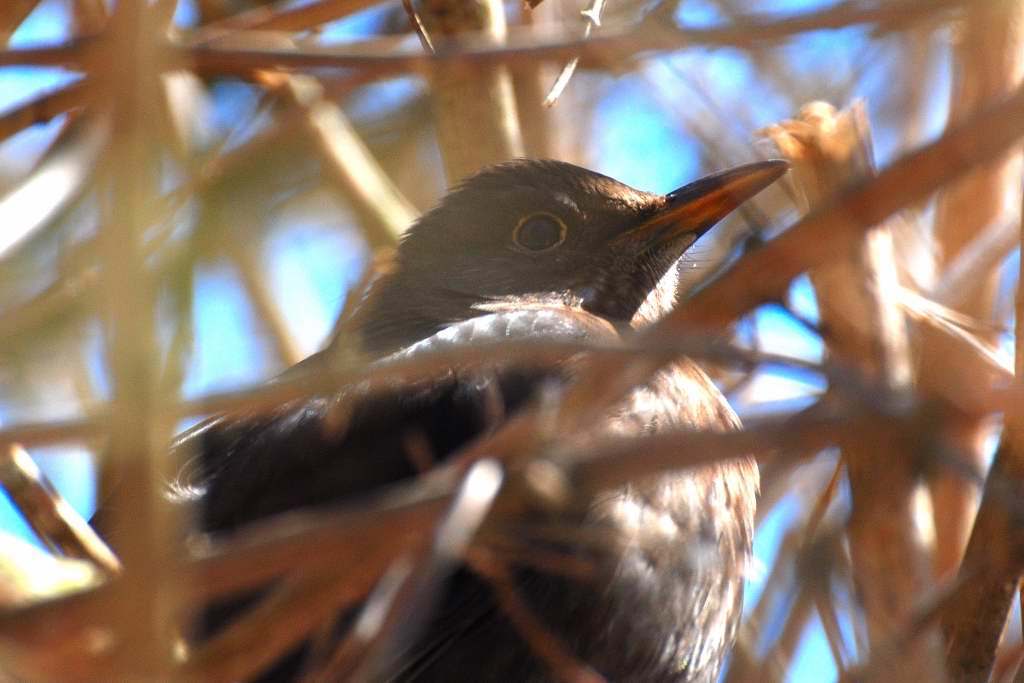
(988,65)
(349,163)
(474,104)
(50,516)
(133,468)
(857,299)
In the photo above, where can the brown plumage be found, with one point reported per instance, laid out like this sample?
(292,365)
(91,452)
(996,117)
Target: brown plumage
(526,249)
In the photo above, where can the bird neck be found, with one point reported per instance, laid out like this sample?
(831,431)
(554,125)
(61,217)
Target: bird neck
(660,300)
(403,307)
(400,310)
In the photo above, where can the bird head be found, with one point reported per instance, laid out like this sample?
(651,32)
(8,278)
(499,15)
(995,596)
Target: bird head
(530,233)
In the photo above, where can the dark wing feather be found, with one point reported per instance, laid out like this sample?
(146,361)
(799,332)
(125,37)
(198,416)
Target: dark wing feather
(335,447)
(331,448)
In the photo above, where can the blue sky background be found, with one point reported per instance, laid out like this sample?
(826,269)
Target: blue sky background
(313,259)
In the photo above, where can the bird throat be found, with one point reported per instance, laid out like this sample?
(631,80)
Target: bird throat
(660,301)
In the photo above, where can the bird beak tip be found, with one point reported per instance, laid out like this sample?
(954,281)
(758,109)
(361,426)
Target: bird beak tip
(733,186)
(694,208)
(699,205)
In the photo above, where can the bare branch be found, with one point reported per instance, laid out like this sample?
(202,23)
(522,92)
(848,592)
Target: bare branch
(355,171)
(592,15)
(417,24)
(253,275)
(610,45)
(61,177)
(50,516)
(995,549)
(857,299)
(44,107)
(988,64)
(142,525)
(289,18)
(474,106)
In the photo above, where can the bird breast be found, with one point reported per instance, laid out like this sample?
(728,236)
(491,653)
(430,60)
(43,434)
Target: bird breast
(686,536)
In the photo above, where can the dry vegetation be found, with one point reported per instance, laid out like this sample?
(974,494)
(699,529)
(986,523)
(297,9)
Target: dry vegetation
(913,575)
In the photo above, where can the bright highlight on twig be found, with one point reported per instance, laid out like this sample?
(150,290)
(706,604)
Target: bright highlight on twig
(593,16)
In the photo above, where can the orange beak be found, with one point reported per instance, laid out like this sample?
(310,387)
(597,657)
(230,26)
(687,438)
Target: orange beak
(693,209)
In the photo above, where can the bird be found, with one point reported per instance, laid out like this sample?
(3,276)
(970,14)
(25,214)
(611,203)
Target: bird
(528,249)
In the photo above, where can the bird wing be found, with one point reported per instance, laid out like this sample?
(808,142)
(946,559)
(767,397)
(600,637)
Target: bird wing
(326,449)
(333,447)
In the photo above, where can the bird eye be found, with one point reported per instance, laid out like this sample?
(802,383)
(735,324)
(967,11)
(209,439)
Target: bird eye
(539,232)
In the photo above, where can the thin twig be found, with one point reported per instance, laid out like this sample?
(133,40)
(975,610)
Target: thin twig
(414,602)
(277,18)
(254,278)
(61,177)
(278,623)
(593,18)
(651,37)
(52,518)
(974,262)
(350,164)
(988,64)
(817,513)
(417,24)
(89,17)
(331,379)
(44,107)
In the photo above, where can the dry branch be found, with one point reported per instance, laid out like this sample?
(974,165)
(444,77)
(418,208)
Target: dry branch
(416,596)
(133,467)
(474,105)
(994,561)
(546,645)
(988,64)
(355,172)
(276,18)
(44,107)
(995,550)
(647,37)
(252,271)
(78,280)
(61,178)
(89,17)
(29,574)
(592,16)
(419,366)
(858,302)
(965,275)
(278,623)
(52,518)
